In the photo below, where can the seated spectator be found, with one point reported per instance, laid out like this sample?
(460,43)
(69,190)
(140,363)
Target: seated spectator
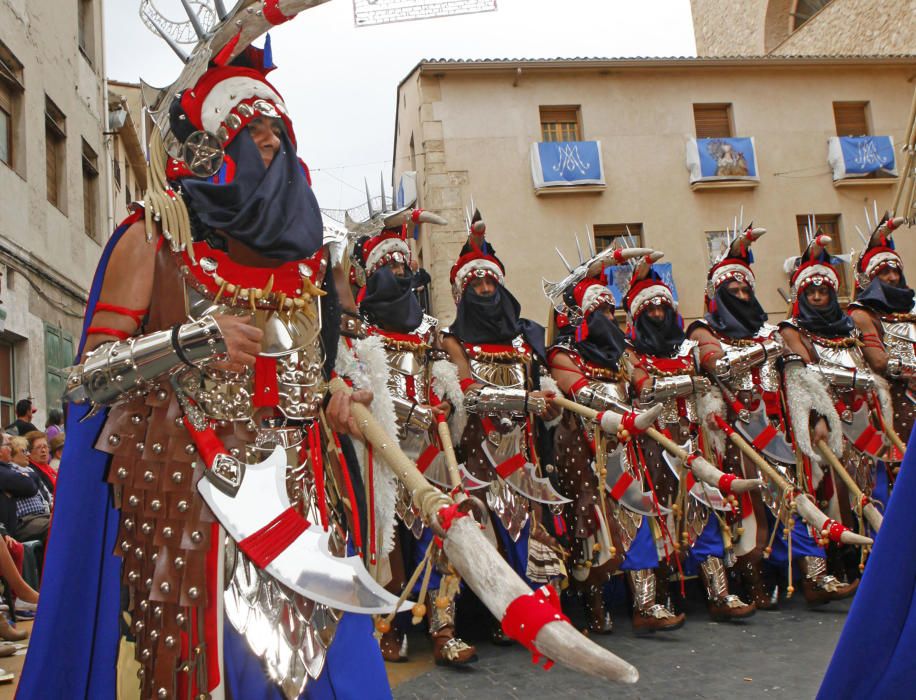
(54,424)
(33,512)
(23,423)
(40,458)
(57,450)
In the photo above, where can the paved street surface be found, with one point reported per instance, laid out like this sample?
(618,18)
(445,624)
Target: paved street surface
(781,654)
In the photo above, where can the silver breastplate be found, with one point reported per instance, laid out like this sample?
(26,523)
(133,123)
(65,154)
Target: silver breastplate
(900,340)
(844,357)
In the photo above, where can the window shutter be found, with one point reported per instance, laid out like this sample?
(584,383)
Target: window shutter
(712,120)
(850,118)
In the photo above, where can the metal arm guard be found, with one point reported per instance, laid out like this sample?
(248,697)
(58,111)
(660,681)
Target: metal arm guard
(587,396)
(843,378)
(898,369)
(115,369)
(665,388)
(746,358)
(500,401)
(411,415)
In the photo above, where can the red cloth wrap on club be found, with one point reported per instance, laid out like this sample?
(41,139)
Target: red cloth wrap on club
(527,614)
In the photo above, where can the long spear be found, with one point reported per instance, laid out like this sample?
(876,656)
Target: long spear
(479,564)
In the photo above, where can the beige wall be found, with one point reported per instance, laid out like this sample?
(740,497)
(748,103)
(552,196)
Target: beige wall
(47,258)
(476,128)
(128,149)
(841,28)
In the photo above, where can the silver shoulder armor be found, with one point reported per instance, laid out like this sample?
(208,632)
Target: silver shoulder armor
(114,370)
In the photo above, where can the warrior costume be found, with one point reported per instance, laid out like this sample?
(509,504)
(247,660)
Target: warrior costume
(665,372)
(825,339)
(224,520)
(885,314)
(741,353)
(399,345)
(607,521)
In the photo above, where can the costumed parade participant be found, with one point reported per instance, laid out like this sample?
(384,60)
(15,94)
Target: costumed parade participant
(883,311)
(415,389)
(608,519)
(847,437)
(219,539)
(499,357)
(741,352)
(665,371)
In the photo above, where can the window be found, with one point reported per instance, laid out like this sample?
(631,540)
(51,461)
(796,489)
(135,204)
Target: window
(59,355)
(55,146)
(606,235)
(560,124)
(116,161)
(10,96)
(128,198)
(90,191)
(851,118)
(828,224)
(805,10)
(7,390)
(713,121)
(85,30)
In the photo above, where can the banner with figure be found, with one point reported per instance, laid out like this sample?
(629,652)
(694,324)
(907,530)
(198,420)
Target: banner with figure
(618,277)
(566,164)
(731,158)
(861,156)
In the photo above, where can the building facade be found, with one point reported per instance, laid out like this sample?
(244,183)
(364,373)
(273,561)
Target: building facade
(127,129)
(469,128)
(53,176)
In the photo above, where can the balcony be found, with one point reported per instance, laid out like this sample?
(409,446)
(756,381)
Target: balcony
(722,163)
(862,161)
(564,167)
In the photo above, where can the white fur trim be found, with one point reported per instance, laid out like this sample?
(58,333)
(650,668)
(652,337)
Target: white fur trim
(806,275)
(879,259)
(447,386)
(731,271)
(549,384)
(884,398)
(711,403)
(594,296)
(469,268)
(807,391)
(648,294)
(227,93)
(366,366)
(386,247)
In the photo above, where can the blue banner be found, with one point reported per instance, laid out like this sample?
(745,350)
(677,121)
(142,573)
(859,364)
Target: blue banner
(726,158)
(863,155)
(566,163)
(619,276)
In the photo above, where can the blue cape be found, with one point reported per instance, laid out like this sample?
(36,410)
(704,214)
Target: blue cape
(874,657)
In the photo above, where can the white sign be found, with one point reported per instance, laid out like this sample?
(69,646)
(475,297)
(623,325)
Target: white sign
(369,12)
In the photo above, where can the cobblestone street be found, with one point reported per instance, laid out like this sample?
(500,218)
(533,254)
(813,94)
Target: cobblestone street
(778,654)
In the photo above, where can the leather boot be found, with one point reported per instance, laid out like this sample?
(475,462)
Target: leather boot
(819,587)
(749,568)
(648,614)
(722,605)
(598,618)
(10,633)
(394,646)
(448,650)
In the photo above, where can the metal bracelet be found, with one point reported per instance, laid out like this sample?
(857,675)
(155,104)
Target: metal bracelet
(115,369)
(898,369)
(498,400)
(848,378)
(746,358)
(412,415)
(665,388)
(589,396)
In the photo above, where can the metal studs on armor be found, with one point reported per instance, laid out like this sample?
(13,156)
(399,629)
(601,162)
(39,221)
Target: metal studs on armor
(154,635)
(167,532)
(183,506)
(180,619)
(122,473)
(157,448)
(157,612)
(179,563)
(140,447)
(177,477)
(145,654)
(143,605)
(169,641)
(136,419)
(114,440)
(128,524)
(133,577)
(146,528)
(197,537)
(162,395)
(162,694)
(193,593)
(165,587)
(148,476)
(139,625)
(138,552)
(133,501)
(190,449)
(179,421)
(155,505)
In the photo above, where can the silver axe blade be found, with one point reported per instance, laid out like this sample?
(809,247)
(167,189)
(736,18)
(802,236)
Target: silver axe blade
(437,473)
(709,496)
(777,448)
(524,480)
(866,438)
(633,498)
(306,565)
